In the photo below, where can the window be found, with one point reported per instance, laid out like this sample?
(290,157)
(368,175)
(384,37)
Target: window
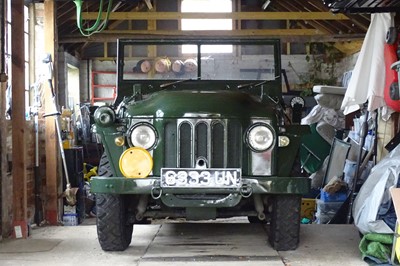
(203,6)
(8,51)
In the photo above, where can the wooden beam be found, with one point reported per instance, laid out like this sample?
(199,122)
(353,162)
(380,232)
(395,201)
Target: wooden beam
(52,175)
(346,48)
(151,26)
(349,48)
(316,37)
(249,32)
(19,150)
(232,15)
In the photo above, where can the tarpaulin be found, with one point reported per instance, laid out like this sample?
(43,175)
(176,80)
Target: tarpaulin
(375,193)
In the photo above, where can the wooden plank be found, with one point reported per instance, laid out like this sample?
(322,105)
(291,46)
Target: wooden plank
(52,175)
(110,37)
(151,27)
(19,175)
(231,15)
(349,48)
(250,32)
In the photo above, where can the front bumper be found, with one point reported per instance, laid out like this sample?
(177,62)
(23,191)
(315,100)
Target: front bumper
(257,185)
(201,197)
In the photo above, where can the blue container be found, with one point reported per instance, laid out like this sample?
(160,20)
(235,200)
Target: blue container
(336,197)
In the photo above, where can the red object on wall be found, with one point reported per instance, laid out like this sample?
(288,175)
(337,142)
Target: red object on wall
(94,97)
(390,52)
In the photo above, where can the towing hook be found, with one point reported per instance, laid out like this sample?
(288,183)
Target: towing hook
(246,191)
(156,192)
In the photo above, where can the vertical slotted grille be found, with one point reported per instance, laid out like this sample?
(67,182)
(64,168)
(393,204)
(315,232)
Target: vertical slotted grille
(185,145)
(201,138)
(217,146)
(219,141)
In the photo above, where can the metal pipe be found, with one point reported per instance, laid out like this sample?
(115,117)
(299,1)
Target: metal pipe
(141,207)
(352,193)
(259,206)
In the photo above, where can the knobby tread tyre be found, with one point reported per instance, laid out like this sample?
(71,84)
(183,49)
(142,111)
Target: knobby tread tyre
(113,230)
(105,166)
(285,222)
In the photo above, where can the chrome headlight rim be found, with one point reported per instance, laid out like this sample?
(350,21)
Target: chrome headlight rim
(104,116)
(270,142)
(136,126)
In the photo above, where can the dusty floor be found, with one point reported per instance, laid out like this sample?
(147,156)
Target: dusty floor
(224,243)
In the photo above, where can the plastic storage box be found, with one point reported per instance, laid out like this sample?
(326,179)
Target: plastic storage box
(326,211)
(70,219)
(336,197)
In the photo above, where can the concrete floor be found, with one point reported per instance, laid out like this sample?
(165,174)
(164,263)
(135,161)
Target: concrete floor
(228,243)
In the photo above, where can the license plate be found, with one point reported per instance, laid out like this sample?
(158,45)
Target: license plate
(201,178)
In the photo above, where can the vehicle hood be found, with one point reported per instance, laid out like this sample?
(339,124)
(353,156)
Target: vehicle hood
(175,104)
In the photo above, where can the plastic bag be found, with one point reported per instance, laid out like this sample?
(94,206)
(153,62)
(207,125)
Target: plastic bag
(375,192)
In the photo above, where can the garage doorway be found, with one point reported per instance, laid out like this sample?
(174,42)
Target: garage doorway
(73,90)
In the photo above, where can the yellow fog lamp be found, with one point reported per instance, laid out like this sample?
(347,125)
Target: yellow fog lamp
(119,141)
(284,141)
(135,162)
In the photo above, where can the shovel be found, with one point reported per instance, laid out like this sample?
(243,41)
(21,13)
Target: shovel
(69,193)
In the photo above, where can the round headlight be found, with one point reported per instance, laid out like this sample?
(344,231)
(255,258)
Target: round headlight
(143,135)
(104,116)
(260,137)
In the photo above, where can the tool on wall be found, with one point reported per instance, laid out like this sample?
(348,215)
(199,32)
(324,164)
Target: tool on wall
(69,193)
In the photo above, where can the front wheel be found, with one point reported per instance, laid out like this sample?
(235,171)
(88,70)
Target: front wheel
(285,222)
(113,228)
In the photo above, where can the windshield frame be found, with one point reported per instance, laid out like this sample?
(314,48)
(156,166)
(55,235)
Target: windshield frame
(125,87)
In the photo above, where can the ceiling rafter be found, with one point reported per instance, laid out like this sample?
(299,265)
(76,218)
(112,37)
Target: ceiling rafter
(333,28)
(345,47)
(315,21)
(233,15)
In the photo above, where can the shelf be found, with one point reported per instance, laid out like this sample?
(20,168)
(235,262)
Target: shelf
(97,86)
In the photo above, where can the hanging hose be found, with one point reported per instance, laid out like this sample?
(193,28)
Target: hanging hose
(98,25)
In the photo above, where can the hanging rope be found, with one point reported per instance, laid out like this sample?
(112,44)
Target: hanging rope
(99,25)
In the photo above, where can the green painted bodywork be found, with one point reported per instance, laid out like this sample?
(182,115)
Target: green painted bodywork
(197,99)
(215,104)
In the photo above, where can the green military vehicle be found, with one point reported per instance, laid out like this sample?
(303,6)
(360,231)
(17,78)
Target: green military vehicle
(197,131)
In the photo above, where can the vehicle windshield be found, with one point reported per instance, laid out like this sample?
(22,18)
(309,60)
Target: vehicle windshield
(147,65)
(197,61)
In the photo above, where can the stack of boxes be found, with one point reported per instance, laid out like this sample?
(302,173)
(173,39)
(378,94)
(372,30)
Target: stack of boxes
(70,217)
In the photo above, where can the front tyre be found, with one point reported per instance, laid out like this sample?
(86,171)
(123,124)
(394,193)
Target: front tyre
(113,229)
(285,222)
